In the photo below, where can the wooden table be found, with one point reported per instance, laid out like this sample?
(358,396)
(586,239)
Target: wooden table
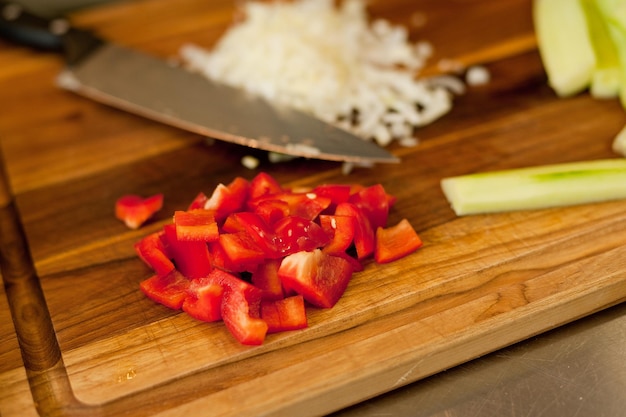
(480,283)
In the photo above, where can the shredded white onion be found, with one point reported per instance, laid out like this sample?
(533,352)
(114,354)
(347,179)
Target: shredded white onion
(330,61)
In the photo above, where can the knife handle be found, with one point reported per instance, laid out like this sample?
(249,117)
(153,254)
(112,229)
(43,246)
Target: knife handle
(55,35)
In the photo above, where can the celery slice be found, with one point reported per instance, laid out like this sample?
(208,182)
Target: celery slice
(564,45)
(619,143)
(614,14)
(537,187)
(605,80)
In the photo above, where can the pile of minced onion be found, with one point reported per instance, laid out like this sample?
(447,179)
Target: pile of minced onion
(330,61)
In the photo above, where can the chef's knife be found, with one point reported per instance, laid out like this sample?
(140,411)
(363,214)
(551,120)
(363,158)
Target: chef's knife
(156,89)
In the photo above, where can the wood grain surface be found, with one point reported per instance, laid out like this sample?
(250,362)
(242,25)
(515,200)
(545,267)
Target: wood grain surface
(77,337)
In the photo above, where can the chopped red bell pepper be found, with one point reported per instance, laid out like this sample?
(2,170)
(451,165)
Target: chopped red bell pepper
(396,242)
(265,277)
(263,185)
(271,210)
(169,290)
(191,258)
(374,203)
(241,308)
(204,299)
(198,202)
(153,252)
(338,193)
(229,198)
(364,235)
(196,225)
(295,234)
(296,247)
(320,278)
(306,205)
(255,228)
(242,252)
(341,231)
(284,314)
(134,210)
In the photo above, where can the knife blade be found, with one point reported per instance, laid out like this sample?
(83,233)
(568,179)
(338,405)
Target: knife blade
(156,89)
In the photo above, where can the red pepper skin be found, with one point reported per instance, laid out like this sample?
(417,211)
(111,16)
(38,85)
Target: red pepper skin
(196,225)
(364,235)
(338,193)
(169,290)
(204,299)
(296,234)
(340,229)
(320,278)
(198,202)
(396,242)
(284,314)
(265,277)
(255,228)
(191,258)
(308,205)
(262,185)
(227,199)
(271,210)
(241,308)
(134,210)
(153,252)
(242,252)
(218,257)
(374,203)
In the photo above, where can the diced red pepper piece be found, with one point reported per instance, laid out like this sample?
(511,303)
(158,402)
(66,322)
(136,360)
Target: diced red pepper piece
(204,299)
(169,290)
(240,309)
(320,278)
(266,278)
(242,253)
(198,202)
(263,184)
(396,242)
(134,210)
(338,193)
(271,210)
(364,235)
(196,225)
(218,257)
(357,266)
(227,199)
(374,203)
(284,314)
(256,230)
(306,205)
(153,252)
(296,234)
(191,258)
(341,231)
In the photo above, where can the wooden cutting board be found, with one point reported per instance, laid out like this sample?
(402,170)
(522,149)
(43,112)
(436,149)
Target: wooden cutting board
(479,283)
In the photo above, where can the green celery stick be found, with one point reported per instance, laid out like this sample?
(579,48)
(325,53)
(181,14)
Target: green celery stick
(614,14)
(537,187)
(619,143)
(606,78)
(564,45)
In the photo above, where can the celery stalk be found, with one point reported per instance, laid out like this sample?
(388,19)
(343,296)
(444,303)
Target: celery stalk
(614,14)
(564,45)
(619,143)
(605,80)
(537,187)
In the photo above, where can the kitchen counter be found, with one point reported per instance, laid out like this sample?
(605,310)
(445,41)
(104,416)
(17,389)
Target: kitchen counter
(504,314)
